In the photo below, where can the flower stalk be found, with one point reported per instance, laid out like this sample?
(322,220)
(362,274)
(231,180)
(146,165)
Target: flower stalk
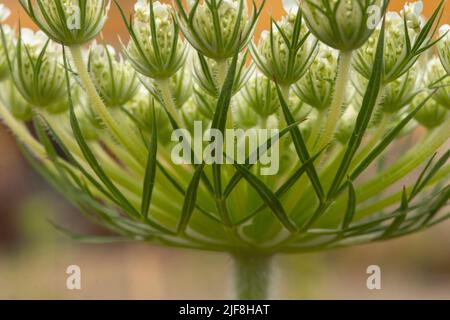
(337,104)
(253,273)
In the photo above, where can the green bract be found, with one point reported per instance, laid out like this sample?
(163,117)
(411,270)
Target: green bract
(343,24)
(69,22)
(155,49)
(217,28)
(285,53)
(37,70)
(114,78)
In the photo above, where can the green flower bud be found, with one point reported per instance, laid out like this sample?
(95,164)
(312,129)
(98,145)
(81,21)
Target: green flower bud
(12,99)
(155,49)
(114,78)
(437,77)
(344,25)
(37,71)
(316,87)
(432,114)
(217,28)
(397,55)
(398,93)
(206,71)
(68,22)
(260,94)
(285,53)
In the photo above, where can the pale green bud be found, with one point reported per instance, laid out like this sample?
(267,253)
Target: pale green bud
(432,114)
(206,73)
(113,77)
(217,28)
(316,87)
(397,56)
(155,49)
(260,94)
(68,22)
(285,53)
(6,38)
(37,70)
(437,77)
(342,24)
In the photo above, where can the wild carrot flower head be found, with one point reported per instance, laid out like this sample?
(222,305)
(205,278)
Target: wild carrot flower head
(407,37)
(343,24)
(217,28)
(286,51)
(69,22)
(114,78)
(260,95)
(37,69)
(316,87)
(155,48)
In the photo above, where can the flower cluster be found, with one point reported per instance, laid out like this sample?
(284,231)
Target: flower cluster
(340,87)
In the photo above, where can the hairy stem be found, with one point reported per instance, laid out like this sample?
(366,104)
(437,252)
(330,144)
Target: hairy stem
(340,88)
(169,103)
(125,136)
(252,276)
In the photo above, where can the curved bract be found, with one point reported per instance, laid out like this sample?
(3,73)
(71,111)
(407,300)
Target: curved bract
(313,188)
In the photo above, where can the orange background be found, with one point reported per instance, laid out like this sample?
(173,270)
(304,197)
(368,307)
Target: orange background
(115,27)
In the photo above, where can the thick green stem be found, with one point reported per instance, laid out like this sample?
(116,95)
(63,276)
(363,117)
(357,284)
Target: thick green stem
(125,136)
(340,89)
(252,276)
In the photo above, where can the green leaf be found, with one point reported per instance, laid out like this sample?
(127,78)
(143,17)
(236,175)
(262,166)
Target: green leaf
(369,103)
(150,171)
(190,200)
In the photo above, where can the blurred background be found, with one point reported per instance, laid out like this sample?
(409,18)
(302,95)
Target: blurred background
(34,256)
